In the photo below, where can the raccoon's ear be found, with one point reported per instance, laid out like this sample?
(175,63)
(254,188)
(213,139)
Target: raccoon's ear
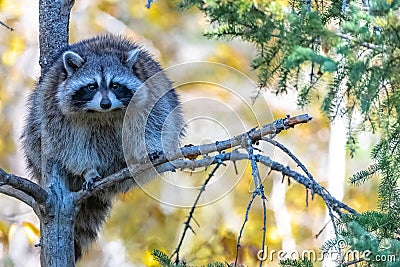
(131,58)
(72,61)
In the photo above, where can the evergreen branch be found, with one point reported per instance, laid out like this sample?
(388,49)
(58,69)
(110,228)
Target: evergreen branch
(364,44)
(190,217)
(361,176)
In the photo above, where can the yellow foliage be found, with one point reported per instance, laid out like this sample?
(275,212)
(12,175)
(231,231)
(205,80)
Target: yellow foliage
(16,47)
(12,7)
(17,44)
(227,55)
(4,230)
(380,22)
(228,242)
(32,232)
(12,230)
(149,260)
(273,234)
(393,18)
(8,58)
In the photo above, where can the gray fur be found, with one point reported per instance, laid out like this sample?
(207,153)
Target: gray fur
(88,143)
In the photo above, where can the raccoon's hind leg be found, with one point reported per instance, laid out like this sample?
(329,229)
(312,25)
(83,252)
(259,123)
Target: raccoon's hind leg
(89,220)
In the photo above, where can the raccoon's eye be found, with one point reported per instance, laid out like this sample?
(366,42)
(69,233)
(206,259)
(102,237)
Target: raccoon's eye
(114,86)
(92,86)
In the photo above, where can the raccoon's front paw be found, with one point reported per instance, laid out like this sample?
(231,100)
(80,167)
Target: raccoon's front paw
(155,155)
(91,177)
(89,184)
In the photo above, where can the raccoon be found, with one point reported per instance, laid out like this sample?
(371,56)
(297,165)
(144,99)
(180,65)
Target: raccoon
(104,102)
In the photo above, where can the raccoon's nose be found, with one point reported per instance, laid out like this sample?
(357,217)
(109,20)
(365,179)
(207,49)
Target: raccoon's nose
(105,103)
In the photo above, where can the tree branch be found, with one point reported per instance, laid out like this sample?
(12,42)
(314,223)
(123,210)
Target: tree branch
(177,162)
(308,183)
(194,151)
(6,26)
(335,204)
(20,195)
(295,159)
(29,188)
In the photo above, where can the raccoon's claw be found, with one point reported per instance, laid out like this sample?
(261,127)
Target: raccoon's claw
(91,177)
(155,155)
(89,185)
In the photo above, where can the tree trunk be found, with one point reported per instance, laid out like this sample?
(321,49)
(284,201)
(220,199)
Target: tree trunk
(57,222)
(53,29)
(57,219)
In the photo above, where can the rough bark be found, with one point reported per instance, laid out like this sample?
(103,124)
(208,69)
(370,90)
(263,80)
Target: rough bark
(57,219)
(57,222)
(53,29)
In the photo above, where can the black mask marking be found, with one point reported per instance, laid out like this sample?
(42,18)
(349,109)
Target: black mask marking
(82,96)
(123,94)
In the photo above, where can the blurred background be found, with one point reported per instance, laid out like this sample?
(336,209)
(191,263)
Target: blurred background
(217,87)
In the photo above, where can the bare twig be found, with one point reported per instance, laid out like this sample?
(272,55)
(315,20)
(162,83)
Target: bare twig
(353,262)
(322,229)
(264,202)
(190,217)
(246,218)
(333,219)
(26,186)
(258,192)
(290,154)
(335,204)
(312,183)
(295,159)
(6,26)
(148,5)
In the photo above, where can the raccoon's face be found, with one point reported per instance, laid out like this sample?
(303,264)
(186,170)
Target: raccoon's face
(98,83)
